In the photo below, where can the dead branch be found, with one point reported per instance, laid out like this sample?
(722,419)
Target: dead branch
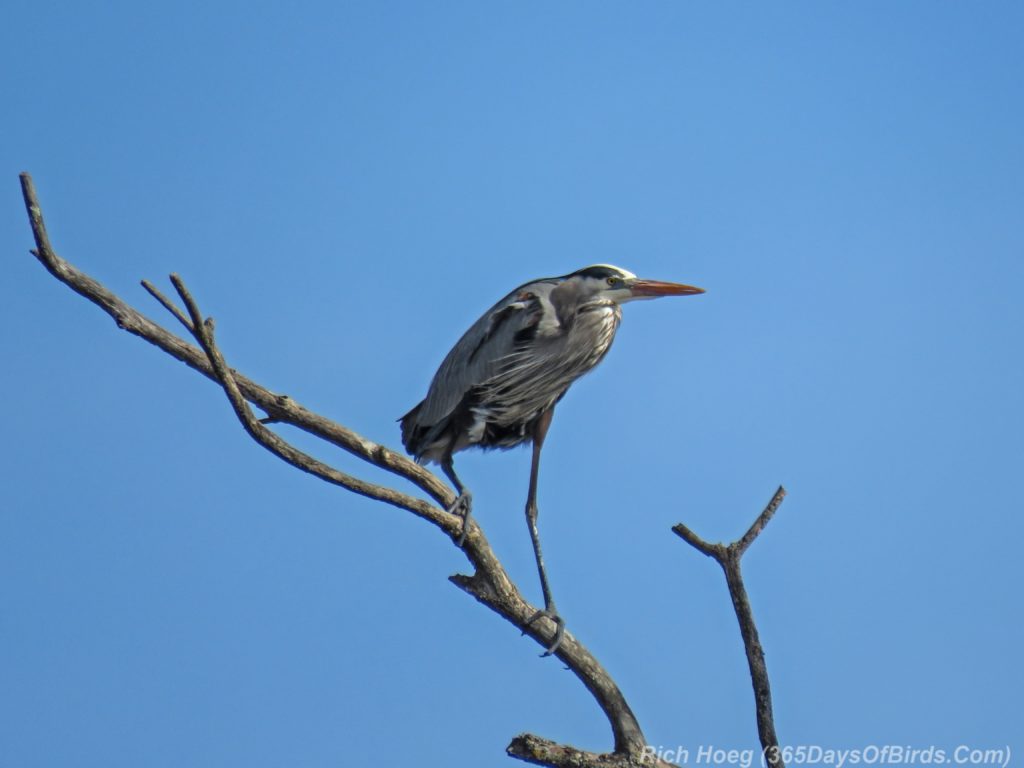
(489,584)
(728,556)
(533,749)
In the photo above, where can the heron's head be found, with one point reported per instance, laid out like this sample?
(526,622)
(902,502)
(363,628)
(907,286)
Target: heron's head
(621,285)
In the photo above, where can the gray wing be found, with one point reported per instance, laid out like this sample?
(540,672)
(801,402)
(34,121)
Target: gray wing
(483,349)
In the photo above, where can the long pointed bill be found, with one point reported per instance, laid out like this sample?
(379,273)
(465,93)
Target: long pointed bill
(652,288)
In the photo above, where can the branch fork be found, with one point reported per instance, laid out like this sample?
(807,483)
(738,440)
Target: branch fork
(728,556)
(490,584)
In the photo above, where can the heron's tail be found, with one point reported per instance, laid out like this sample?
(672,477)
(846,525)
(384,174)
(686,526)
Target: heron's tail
(412,432)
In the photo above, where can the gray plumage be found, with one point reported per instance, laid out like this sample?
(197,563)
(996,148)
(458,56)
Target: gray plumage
(513,364)
(499,385)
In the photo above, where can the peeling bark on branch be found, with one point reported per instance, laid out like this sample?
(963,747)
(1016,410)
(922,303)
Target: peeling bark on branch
(533,749)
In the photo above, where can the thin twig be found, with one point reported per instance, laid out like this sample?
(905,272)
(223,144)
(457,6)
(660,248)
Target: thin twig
(490,584)
(716,551)
(728,556)
(762,520)
(168,305)
(282,407)
(202,330)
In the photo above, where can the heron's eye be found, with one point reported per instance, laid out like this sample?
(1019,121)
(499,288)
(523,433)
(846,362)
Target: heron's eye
(611,281)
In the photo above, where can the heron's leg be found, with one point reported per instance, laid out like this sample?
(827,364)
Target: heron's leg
(463,506)
(540,431)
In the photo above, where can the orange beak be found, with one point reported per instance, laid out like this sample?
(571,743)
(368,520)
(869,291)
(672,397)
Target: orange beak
(652,288)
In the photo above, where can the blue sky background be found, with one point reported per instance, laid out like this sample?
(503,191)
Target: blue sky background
(345,187)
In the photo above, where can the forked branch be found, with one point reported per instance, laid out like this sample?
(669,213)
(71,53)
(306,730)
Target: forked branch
(489,584)
(728,556)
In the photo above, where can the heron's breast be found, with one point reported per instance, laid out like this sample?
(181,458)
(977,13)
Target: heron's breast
(594,330)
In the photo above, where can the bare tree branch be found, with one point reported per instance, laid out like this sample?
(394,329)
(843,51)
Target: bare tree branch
(728,556)
(533,749)
(168,305)
(762,520)
(489,584)
(282,407)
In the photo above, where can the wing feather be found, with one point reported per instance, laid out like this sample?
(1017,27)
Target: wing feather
(481,352)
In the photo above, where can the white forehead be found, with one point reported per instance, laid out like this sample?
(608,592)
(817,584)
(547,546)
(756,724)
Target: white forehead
(625,272)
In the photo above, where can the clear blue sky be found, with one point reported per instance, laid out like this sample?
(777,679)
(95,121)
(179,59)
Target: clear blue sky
(346,187)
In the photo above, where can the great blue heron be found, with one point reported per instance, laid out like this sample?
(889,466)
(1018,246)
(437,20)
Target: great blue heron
(499,385)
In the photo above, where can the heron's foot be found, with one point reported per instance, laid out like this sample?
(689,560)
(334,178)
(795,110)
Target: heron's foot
(551,614)
(463,507)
